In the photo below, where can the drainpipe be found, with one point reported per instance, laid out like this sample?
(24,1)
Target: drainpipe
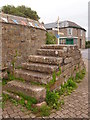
(58,28)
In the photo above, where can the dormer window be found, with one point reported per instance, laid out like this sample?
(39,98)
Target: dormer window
(69,31)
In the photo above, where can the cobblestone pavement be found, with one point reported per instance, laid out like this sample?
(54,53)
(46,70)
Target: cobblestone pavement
(0,100)
(76,105)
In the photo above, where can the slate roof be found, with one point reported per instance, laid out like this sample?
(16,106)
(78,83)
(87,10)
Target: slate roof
(63,24)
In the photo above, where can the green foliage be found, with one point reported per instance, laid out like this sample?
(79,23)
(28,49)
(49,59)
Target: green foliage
(87,44)
(71,83)
(68,87)
(50,38)
(45,110)
(5,97)
(18,67)
(33,100)
(53,78)
(21,11)
(34,110)
(37,83)
(20,79)
(0,104)
(62,102)
(80,75)
(14,102)
(52,99)
(0,83)
(51,81)
(14,60)
(4,81)
(59,72)
(29,100)
(10,78)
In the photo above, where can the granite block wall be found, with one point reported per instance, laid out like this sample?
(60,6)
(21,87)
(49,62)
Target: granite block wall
(19,41)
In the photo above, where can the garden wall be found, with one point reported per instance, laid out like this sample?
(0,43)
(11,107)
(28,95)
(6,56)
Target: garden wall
(20,40)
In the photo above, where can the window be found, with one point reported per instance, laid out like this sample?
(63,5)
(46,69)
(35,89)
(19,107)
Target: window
(69,31)
(81,33)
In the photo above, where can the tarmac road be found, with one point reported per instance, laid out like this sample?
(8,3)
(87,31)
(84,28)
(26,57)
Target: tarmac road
(86,53)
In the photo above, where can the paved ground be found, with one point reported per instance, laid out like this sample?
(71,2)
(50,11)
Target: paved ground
(86,53)
(76,104)
(0,100)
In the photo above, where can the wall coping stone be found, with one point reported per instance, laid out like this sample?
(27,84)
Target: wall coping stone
(16,20)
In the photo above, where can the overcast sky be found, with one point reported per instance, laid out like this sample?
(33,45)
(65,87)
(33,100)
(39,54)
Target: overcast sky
(49,10)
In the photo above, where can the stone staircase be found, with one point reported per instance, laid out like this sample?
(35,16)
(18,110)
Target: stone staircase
(40,67)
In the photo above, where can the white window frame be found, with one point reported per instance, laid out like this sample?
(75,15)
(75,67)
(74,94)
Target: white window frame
(70,31)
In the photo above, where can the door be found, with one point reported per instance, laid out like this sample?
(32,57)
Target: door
(69,41)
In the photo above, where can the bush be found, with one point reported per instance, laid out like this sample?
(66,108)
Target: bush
(50,38)
(87,44)
(22,11)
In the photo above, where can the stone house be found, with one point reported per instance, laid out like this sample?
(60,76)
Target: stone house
(70,33)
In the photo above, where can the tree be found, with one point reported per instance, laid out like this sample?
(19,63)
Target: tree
(50,38)
(21,11)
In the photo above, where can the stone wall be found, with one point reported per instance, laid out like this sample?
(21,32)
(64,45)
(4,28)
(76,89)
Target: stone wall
(19,41)
(53,65)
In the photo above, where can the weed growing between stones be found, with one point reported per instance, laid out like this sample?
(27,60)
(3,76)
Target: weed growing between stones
(68,87)
(79,76)
(0,83)
(14,60)
(18,67)
(59,72)
(52,82)
(45,111)
(5,97)
(37,83)
(53,98)
(29,103)
(0,104)
(10,78)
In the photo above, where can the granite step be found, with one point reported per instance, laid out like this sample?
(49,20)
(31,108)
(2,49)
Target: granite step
(45,59)
(32,76)
(63,47)
(42,68)
(52,52)
(35,91)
